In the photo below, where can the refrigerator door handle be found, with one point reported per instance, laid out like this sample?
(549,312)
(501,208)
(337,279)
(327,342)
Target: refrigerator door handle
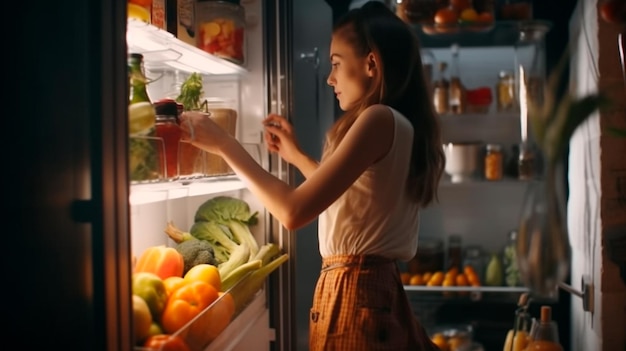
(82,211)
(313,57)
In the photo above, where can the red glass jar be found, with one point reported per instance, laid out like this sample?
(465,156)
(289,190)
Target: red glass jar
(167,129)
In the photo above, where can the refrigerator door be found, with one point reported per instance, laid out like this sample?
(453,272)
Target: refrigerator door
(67,257)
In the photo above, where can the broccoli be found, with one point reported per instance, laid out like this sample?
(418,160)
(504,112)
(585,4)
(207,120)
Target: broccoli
(196,251)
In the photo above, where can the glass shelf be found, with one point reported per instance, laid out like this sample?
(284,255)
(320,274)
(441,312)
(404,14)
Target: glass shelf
(145,193)
(162,50)
(501,33)
(464,293)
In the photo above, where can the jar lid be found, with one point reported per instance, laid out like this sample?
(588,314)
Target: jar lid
(167,107)
(505,74)
(494,147)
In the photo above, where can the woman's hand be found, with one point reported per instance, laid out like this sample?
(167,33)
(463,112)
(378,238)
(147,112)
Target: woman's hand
(202,132)
(279,138)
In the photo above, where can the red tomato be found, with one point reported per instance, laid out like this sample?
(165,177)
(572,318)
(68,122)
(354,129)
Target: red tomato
(613,11)
(144,3)
(166,342)
(186,303)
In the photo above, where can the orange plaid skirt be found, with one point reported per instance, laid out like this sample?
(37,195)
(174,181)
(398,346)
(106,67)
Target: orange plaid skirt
(360,305)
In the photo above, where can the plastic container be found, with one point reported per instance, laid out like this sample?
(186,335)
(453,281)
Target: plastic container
(220,28)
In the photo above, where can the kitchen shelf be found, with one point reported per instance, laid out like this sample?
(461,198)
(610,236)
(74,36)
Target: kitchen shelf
(162,50)
(501,33)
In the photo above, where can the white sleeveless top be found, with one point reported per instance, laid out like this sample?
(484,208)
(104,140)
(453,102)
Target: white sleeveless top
(375,216)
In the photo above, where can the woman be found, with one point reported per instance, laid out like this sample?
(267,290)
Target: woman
(381,164)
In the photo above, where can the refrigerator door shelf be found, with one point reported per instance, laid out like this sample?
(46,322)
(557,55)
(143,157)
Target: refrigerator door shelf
(163,50)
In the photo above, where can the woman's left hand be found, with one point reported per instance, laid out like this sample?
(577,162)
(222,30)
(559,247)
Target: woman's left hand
(202,132)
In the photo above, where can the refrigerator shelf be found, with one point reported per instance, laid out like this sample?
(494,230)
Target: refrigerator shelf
(146,193)
(162,50)
(470,293)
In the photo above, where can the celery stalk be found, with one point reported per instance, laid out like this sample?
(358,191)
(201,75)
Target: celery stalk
(238,273)
(244,291)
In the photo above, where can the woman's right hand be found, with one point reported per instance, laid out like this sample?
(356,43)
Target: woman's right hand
(279,138)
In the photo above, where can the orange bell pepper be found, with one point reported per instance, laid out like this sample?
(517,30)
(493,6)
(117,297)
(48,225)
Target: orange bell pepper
(186,303)
(161,260)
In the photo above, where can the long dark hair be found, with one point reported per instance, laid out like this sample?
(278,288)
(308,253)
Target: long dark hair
(399,83)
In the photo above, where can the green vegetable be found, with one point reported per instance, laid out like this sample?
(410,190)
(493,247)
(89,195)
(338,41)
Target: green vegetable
(191,92)
(244,291)
(196,251)
(239,256)
(238,273)
(218,236)
(233,213)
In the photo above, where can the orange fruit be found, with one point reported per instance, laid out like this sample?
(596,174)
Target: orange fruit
(485,17)
(207,273)
(461,280)
(426,276)
(416,279)
(436,279)
(405,277)
(446,15)
(468,15)
(460,5)
(441,342)
(469,270)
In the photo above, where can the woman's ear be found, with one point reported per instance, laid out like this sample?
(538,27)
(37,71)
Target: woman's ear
(371,64)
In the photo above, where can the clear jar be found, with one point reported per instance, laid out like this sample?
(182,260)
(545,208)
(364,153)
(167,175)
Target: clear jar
(509,261)
(505,91)
(167,129)
(441,90)
(220,29)
(475,257)
(223,113)
(455,253)
(428,258)
(494,162)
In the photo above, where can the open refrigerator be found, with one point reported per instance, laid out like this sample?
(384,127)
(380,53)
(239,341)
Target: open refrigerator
(88,221)
(251,89)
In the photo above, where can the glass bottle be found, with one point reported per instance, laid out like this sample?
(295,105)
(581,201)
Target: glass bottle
(441,88)
(505,91)
(494,160)
(143,159)
(546,333)
(458,93)
(517,337)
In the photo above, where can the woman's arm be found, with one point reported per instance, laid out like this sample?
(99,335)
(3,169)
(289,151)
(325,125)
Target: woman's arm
(368,140)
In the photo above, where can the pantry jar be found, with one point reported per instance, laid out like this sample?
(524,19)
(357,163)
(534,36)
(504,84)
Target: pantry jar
(221,28)
(168,130)
(493,162)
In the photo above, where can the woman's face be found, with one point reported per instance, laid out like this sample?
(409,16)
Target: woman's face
(350,75)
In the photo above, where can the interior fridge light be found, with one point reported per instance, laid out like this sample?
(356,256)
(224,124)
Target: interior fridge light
(160,47)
